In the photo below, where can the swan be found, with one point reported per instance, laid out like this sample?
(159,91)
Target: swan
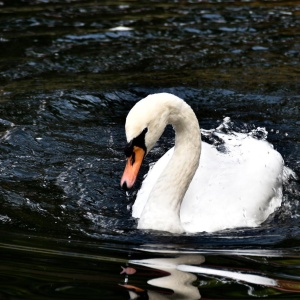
(239,186)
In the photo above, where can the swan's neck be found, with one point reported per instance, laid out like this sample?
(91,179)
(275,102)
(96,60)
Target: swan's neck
(162,211)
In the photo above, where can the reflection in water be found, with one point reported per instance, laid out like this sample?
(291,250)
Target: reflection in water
(180,282)
(58,269)
(177,276)
(250,278)
(286,285)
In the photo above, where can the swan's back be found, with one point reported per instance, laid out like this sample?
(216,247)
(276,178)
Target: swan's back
(237,187)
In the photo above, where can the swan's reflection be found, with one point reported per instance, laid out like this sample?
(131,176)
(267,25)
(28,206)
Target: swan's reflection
(179,274)
(180,282)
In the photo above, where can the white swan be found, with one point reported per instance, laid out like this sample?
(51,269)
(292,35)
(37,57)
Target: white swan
(238,187)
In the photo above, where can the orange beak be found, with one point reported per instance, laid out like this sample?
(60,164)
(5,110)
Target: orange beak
(132,168)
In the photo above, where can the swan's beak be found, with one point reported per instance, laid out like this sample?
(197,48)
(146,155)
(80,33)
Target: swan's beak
(134,162)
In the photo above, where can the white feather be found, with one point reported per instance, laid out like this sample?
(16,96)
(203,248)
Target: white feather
(238,187)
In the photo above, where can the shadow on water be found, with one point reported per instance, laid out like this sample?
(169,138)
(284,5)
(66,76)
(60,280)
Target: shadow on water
(69,72)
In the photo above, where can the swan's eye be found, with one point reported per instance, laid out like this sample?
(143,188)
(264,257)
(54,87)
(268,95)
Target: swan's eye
(138,141)
(128,149)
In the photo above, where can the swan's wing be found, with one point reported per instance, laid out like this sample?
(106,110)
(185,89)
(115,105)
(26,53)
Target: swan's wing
(238,188)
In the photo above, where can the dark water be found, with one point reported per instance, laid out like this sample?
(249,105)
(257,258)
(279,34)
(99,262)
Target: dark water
(68,78)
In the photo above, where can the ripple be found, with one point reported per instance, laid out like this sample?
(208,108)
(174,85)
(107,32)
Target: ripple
(71,71)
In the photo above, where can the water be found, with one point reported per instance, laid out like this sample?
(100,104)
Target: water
(69,74)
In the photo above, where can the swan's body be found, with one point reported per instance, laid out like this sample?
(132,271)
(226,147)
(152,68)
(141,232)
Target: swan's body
(238,187)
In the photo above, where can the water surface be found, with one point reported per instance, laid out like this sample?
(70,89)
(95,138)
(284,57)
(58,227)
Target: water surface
(69,73)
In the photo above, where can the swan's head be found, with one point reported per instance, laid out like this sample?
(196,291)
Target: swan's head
(145,124)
